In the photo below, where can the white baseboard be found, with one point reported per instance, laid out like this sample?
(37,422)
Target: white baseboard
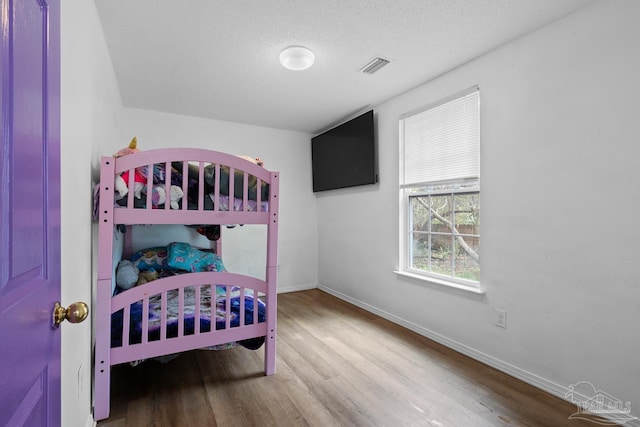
(285,289)
(516,372)
(91,422)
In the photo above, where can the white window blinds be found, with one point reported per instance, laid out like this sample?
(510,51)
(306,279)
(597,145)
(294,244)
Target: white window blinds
(442,143)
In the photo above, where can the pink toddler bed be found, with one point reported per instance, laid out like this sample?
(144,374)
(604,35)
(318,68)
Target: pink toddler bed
(181,312)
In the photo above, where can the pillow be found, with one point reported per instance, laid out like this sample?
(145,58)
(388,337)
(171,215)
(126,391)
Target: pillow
(183,256)
(149,258)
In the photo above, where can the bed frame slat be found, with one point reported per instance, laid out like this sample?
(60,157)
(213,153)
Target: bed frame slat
(245,191)
(167,185)
(180,312)
(232,188)
(242,307)
(227,308)
(126,318)
(163,316)
(185,185)
(201,186)
(259,195)
(196,320)
(216,191)
(145,320)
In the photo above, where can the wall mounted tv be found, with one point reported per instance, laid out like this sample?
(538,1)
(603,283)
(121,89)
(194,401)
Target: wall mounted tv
(345,156)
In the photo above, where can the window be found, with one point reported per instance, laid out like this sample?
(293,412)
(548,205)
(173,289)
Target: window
(440,190)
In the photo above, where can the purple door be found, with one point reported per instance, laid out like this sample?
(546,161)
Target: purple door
(29,212)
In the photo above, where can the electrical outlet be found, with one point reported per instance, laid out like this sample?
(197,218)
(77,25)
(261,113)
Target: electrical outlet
(501,318)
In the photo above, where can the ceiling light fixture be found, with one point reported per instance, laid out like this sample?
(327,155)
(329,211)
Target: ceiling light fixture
(297,58)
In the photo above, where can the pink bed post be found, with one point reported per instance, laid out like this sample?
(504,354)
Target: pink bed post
(272,274)
(102,308)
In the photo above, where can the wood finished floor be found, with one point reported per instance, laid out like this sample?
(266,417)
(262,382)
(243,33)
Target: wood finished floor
(337,365)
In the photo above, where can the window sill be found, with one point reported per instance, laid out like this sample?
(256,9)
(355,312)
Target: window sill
(444,284)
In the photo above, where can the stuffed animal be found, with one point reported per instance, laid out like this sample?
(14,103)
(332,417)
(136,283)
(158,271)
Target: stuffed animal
(158,195)
(258,161)
(122,181)
(126,274)
(175,195)
(132,148)
(211,232)
(147,276)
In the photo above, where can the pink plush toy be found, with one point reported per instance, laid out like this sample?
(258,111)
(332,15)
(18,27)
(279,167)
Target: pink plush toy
(258,161)
(122,182)
(131,149)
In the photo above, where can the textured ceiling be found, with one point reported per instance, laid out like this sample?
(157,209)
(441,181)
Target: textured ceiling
(219,58)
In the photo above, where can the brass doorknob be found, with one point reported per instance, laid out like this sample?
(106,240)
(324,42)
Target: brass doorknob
(75,313)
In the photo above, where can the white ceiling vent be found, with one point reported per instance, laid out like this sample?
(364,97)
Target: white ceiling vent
(374,65)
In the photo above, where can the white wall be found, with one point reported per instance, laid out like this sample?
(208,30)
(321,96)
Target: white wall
(285,151)
(560,137)
(90,118)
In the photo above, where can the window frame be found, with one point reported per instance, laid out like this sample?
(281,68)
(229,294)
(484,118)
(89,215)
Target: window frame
(444,187)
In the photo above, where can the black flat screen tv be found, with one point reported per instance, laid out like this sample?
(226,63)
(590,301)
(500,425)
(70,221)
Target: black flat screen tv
(345,155)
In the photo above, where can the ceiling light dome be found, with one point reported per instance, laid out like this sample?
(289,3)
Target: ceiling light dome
(297,58)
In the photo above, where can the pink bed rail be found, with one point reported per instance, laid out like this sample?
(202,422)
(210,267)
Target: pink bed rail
(249,288)
(110,215)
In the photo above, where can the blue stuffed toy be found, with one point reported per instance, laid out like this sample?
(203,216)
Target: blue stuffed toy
(126,274)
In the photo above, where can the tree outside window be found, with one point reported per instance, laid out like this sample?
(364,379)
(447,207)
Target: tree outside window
(445,234)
